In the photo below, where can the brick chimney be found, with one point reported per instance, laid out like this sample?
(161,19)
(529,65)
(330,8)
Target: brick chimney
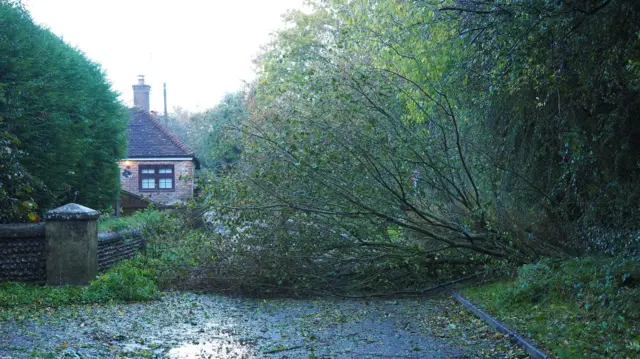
(141,94)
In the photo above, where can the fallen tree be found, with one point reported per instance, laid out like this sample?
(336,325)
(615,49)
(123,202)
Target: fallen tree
(383,155)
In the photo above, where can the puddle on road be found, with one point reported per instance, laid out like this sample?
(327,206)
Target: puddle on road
(212,340)
(215,348)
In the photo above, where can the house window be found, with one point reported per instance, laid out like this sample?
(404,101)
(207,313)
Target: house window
(148,183)
(156,178)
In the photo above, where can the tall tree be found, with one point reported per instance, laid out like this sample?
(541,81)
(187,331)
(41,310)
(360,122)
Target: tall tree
(64,119)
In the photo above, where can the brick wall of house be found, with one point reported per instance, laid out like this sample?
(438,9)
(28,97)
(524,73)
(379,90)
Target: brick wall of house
(183,179)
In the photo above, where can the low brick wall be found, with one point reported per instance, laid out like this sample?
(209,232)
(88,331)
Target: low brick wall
(114,247)
(22,253)
(23,257)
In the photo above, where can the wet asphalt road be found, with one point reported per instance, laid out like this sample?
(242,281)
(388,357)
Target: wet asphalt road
(188,325)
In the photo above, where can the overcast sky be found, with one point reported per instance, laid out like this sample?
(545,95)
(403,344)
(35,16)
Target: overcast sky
(200,48)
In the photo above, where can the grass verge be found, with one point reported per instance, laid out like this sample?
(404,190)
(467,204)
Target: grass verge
(580,308)
(125,282)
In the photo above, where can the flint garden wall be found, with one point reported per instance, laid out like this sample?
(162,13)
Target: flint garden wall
(66,249)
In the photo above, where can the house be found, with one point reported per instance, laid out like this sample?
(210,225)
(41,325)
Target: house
(159,168)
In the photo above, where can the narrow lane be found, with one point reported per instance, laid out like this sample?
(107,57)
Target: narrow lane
(188,325)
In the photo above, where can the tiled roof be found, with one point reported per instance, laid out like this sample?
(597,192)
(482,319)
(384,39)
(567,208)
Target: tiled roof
(149,138)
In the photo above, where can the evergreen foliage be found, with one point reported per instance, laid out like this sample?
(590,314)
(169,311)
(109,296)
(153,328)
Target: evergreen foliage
(61,124)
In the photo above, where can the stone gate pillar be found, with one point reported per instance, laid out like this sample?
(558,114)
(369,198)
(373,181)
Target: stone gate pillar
(71,244)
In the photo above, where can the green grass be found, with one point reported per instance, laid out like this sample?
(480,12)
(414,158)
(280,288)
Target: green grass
(581,308)
(125,282)
(138,220)
(20,294)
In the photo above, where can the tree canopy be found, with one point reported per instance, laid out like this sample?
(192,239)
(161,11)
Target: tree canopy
(62,128)
(210,134)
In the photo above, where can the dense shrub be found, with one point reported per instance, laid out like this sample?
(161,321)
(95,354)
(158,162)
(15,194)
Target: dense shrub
(173,247)
(124,282)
